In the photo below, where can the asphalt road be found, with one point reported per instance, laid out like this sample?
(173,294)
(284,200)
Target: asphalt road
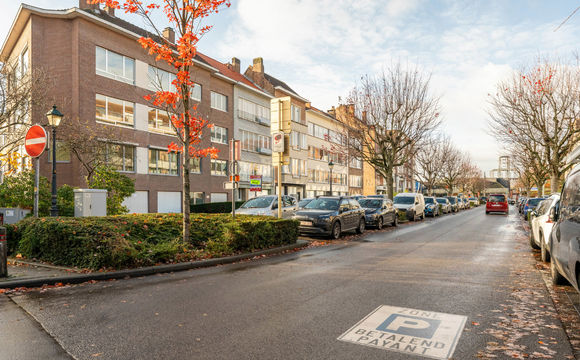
(296,306)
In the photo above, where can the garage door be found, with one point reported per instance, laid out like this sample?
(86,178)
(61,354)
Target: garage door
(138,202)
(169,202)
(219,197)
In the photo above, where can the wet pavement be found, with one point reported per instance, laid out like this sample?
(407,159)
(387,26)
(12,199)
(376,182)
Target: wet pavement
(296,306)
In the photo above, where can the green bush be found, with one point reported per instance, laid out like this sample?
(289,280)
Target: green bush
(215,208)
(127,241)
(66,200)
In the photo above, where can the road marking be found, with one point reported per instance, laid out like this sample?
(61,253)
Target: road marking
(426,333)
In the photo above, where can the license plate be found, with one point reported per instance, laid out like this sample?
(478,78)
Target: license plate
(305,223)
(496,205)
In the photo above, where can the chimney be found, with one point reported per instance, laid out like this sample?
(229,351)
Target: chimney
(110,11)
(332,111)
(169,34)
(258,65)
(308,105)
(86,5)
(236,64)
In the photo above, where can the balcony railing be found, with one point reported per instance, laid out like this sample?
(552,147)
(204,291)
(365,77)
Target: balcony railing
(253,117)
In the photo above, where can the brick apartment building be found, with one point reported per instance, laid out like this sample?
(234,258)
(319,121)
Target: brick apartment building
(101,74)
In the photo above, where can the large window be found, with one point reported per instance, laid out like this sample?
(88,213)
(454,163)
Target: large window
(298,168)
(219,167)
(355,163)
(248,168)
(296,113)
(159,121)
(114,111)
(355,181)
(120,157)
(323,177)
(62,151)
(161,79)
(219,101)
(219,134)
(253,112)
(195,165)
(115,66)
(196,92)
(256,143)
(298,141)
(163,162)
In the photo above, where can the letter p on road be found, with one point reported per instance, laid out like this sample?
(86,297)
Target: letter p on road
(410,325)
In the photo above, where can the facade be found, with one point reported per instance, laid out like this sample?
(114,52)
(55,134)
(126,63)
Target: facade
(294,175)
(325,144)
(101,75)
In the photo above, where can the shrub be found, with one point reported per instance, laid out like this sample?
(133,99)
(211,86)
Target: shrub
(118,186)
(146,239)
(66,200)
(215,208)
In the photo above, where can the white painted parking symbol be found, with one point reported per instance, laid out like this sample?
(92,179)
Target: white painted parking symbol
(425,333)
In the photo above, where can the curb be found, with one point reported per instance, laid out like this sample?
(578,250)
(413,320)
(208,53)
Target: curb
(144,271)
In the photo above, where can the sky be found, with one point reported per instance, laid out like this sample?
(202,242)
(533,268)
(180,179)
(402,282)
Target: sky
(321,48)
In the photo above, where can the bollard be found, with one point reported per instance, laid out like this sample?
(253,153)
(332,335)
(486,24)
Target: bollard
(3,253)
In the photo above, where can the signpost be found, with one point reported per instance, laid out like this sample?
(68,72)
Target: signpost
(256,183)
(280,117)
(235,155)
(35,143)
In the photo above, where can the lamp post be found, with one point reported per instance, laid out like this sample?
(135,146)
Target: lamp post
(54,117)
(330,166)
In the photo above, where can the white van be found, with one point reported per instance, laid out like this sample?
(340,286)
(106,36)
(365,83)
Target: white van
(413,204)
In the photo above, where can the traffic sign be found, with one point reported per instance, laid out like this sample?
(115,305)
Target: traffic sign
(278,142)
(35,141)
(255,182)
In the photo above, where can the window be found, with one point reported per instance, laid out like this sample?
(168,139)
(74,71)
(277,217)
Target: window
(253,112)
(24,62)
(219,134)
(195,165)
(62,151)
(296,113)
(197,197)
(161,79)
(219,101)
(219,167)
(120,157)
(248,168)
(114,111)
(355,181)
(163,162)
(115,66)
(159,121)
(355,163)
(256,143)
(196,92)
(295,167)
(298,141)
(303,168)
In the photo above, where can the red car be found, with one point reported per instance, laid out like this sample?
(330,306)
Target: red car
(496,203)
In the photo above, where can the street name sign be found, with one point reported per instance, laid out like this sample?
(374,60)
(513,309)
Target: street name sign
(425,333)
(35,141)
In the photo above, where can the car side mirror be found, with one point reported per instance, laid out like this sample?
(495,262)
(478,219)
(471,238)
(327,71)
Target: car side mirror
(275,206)
(554,213)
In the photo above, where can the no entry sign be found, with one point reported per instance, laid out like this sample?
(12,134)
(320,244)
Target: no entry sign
(35,141)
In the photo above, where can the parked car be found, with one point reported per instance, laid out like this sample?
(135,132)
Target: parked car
(302,203)
(496,203)
(268,205)
(411,204)
(564,243)
(473,201)
(542,225)
(463,203)
(331,215)
(530,205)
(521,204)
(511,201)
(358,197)
(378,196)
(444,204)
(454,203)
(379,211)
(431,207)
(483,199)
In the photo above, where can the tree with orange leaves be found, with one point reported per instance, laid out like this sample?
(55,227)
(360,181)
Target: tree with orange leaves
(186,17)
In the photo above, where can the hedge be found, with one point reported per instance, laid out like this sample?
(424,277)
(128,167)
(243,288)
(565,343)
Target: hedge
(215,208)
(127,241)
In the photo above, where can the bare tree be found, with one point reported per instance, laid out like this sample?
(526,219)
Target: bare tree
(453,162)
(391,115)
(537,111)
(531,164)
(429,159)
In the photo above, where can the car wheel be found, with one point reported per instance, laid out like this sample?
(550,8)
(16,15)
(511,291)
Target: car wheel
(395,220)
(335,233)
(557,279)
(544,250)
(380,223)
(532,241)
(487,213)
(361,226)
(414,216)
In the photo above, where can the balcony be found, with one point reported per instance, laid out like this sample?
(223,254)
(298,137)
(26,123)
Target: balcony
(265,151)
(253,117)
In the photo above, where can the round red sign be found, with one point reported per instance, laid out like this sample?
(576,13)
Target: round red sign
(35,141)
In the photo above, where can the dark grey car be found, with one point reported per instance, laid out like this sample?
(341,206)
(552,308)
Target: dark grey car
(331,215)
(379,211)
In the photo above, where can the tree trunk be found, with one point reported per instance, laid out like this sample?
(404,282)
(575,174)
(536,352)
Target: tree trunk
(390,190)
(554,183)
(186,209)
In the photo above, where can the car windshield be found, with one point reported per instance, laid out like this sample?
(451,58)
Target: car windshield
(323,204)
(304,202)
(441,201)
(497,198)
(472,199)
(259,202)
(452,200)
(429,200)
(405,200)
(534,202)
(370,203)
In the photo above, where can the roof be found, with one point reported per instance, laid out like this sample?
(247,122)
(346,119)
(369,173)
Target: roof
(278,83)
(323,113)
(226,71)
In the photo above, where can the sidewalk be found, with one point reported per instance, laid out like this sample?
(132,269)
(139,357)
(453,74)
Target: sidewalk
(29,274)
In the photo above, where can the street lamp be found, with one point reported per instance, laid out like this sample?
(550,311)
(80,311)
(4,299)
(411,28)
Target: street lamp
(330,166)
(54,117)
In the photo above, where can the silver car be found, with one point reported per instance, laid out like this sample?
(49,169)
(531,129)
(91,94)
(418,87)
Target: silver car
(267,205)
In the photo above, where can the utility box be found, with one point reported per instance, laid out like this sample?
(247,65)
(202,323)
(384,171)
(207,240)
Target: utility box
(12,215)
(90,202)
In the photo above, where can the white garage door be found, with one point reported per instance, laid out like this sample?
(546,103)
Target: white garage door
(169,202)
(219,197)
(138,202)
